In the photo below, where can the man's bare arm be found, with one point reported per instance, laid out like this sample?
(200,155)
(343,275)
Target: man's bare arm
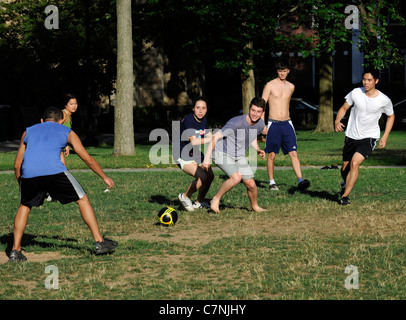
(18,162)
(80,150)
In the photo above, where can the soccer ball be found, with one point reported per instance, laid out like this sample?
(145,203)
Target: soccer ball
(167,216)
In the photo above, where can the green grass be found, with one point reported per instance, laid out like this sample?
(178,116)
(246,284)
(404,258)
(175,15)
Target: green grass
(298,249)
(313,149)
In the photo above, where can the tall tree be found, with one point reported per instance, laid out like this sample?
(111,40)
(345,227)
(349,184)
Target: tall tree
(123,112)
(328,23)
(375,41)
(42,62)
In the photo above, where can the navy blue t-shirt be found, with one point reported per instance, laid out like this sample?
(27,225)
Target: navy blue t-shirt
(189,127)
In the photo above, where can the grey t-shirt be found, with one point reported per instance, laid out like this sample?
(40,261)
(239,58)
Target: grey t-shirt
(238,135)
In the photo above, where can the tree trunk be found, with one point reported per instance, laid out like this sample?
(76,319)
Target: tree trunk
(248,85)
(325,121)
(123,112)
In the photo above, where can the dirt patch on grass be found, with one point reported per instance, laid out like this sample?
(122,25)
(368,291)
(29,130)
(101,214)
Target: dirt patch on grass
(34,257)
(202,232)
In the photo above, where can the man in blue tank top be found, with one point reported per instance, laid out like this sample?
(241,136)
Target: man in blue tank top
(39,170)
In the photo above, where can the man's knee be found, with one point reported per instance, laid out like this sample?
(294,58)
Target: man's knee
(236,178)
(293,154)
(356,161)
(250,184)
(271,156)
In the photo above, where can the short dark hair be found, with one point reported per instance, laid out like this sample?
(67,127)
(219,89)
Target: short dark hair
(53,114)
(281,64)
(259,102)
(201,98)
(374,72)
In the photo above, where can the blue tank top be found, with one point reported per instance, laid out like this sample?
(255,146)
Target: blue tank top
(44,143)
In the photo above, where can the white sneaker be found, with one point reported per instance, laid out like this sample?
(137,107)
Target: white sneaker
(273,187)
(201,205)
(186,202)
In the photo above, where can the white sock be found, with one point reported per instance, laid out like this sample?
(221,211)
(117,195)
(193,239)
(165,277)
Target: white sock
(272,181)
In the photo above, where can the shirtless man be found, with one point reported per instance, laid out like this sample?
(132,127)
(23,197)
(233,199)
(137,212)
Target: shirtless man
(280,130)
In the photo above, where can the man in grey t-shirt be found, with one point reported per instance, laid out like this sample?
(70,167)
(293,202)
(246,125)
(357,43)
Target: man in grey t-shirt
(230,145)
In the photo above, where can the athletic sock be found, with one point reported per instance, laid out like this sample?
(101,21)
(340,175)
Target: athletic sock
(272,181)
(299,180)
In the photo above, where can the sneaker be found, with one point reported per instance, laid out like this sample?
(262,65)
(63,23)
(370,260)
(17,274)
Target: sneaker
(273,187)
(107,246)
(304,184)
(17,256)
(201,205)
(186,202)
(344,201)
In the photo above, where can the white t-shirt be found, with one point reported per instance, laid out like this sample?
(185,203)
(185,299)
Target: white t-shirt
(365,114)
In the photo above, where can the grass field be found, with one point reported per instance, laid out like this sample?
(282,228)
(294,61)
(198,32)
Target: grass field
(299,249)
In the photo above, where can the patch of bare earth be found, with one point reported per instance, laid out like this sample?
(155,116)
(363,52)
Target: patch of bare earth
(281,226)
(35,257)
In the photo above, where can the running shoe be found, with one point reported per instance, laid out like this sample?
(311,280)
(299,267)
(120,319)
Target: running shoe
(344,201)
(186,202)
(304,184)
(107,246)
(273,187)
(17,256)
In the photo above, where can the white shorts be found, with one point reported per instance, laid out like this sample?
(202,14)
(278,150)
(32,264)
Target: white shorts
(181,163)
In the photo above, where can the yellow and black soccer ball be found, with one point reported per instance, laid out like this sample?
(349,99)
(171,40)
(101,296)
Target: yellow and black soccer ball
(167,216)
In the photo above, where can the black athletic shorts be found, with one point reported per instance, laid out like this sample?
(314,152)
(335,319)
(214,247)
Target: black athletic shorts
(62,187)
(363,146)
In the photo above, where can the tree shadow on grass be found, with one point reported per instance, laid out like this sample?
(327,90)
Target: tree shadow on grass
(35,240)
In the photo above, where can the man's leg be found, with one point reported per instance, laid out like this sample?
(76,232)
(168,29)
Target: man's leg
(344,170)
(89,217)
(270,165)
(302,183)
(224,188)
(252,192)
(296,164)
(353,173)
(20,222)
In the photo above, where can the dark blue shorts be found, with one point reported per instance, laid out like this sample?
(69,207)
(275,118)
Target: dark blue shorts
(281,134)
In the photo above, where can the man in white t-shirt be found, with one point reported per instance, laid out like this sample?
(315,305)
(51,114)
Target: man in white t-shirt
(363,131)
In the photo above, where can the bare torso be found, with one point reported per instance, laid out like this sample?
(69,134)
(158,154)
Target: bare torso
(278,93)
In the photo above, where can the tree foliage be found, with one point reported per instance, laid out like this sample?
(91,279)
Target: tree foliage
(45,63)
